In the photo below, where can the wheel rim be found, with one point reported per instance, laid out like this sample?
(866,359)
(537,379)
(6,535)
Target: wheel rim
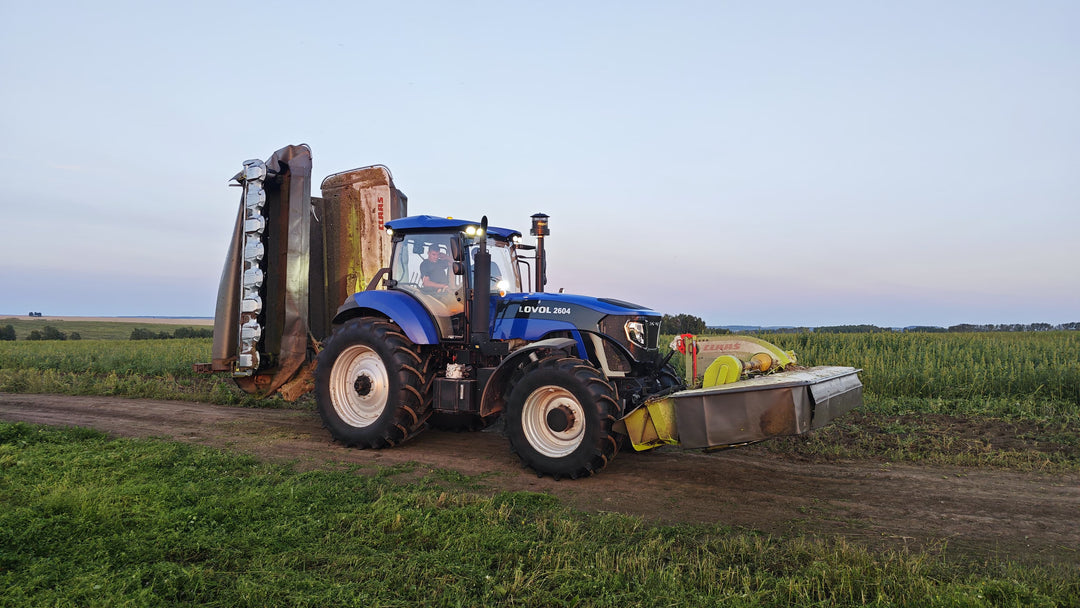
(359,386)
(550,405)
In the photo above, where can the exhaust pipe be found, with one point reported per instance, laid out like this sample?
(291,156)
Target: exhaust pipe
(540,230)
(481,304)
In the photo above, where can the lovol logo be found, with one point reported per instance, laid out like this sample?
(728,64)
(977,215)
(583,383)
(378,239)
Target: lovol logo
(530,309)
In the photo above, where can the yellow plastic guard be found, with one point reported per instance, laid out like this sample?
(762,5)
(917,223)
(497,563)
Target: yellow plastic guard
(653,425)
(725,370)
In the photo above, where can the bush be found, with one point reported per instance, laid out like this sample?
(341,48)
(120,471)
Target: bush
(191,332)
(7,332)
(183,332)
(51,333)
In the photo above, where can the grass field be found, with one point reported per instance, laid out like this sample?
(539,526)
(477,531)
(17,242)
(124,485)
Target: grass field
(85,520)
(972,399)
(98,328)
(91,521)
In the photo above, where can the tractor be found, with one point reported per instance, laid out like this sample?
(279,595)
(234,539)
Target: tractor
(401,322)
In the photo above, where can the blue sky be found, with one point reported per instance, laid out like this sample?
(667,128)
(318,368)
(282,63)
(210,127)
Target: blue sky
(749,163)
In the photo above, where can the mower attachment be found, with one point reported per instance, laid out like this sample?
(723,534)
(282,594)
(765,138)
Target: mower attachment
(784,403)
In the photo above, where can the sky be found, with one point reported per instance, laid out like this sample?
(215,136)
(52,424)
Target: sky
(753,163)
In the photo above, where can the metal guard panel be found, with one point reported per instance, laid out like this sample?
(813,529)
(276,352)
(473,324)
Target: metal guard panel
(788,403)
(402,309)
(705,421)
(834,397)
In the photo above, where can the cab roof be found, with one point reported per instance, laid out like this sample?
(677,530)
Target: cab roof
(421,223)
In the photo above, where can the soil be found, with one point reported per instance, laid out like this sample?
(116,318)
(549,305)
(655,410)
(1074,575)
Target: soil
(971,513)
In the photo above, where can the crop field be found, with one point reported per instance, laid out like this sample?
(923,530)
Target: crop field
(98,328)
(90,520)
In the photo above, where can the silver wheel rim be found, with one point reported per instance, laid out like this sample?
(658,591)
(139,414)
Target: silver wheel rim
(534,421)
(359,386)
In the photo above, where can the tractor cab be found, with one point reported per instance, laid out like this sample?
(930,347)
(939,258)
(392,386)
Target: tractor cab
(433,260)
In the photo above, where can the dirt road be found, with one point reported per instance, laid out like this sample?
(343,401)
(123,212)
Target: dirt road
(978,513)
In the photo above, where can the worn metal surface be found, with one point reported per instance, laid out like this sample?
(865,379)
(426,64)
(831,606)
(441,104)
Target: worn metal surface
(227,310)
(786,403)
(351,215)
(273,309)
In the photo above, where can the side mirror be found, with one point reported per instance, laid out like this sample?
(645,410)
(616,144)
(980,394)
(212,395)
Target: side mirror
(455,252)
(459,268)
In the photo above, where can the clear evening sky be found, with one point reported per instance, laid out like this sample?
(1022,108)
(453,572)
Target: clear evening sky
(763,163)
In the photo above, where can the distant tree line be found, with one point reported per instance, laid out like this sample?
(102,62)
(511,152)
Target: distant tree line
(688,324)
(180,333)
(1074,326)
(50,333)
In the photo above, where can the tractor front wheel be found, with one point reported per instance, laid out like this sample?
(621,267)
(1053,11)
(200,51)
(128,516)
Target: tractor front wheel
(559,418)
(371,384)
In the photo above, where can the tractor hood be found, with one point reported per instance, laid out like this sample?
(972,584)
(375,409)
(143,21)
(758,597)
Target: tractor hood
(532,316)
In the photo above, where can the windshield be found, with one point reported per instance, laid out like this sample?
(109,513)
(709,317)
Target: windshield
(503,268)
(423,266)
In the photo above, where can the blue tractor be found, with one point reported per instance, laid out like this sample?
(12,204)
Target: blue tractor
(455,340)
(439,329)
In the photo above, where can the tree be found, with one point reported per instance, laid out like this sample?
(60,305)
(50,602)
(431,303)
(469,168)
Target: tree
(74,336)
(191,332)
(51,333)
(7,332)
(34,335)
(682,324)
(850,329)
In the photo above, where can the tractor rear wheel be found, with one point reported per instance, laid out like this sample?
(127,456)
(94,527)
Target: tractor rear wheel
(371,384)
(559,418)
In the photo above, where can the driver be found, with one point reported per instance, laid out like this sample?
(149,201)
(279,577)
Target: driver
(435,271)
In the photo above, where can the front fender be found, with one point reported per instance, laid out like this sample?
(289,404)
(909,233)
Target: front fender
(494,391)
(399,307)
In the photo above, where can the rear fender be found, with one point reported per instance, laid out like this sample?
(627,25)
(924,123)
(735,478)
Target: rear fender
(494,397)
(399,307)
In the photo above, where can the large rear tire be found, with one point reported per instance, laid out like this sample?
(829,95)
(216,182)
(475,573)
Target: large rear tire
(559,418)
(371,384)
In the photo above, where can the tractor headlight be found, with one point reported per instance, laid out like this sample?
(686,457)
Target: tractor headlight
(502,286)
(635,332)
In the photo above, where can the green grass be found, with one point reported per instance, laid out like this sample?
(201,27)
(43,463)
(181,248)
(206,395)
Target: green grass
(91,521)
(914,383)
(89,330)
(1019,365)
(150,369)
(1047,444)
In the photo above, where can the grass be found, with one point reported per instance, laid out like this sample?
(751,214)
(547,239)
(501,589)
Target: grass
(89,330)
(1029,444)
(92,521)
(149,369)
(1019,365)
(910,413)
